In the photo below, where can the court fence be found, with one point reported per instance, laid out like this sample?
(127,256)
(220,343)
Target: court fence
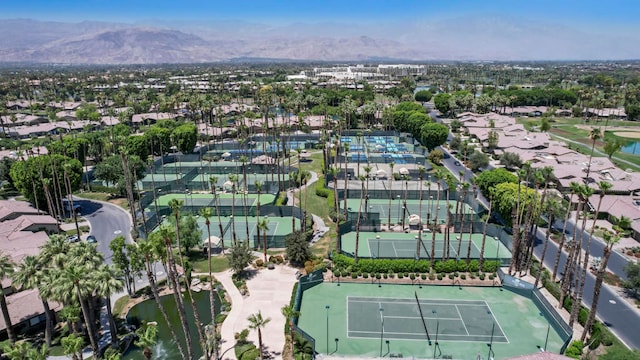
(527,290)
(304,283)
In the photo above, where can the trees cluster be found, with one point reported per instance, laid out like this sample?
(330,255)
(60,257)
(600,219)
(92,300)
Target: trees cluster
(412,118)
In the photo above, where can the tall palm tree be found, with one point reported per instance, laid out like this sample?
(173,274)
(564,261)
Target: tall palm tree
(290,313)
(30,275)
(367,171)
(243,161)
(147,337)
(421,171)
(355,258)
(172,274)
(175,206)
(346,186)
(484,234)
(207,213)
(391,165)
(465,190)
(234,180)
(75,277)
(439,176)
(594,135)
(333,171)
(603,187)
(610,240)
(6,269)
(148,251)
(213,180)
(573,249)
(108,281)
(257,322)
(263,226)
(574,187)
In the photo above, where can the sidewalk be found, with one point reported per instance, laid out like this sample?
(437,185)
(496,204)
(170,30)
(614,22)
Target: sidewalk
(269,291)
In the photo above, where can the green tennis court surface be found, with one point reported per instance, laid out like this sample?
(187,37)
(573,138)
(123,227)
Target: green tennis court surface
(464,319)
(404,245)
(225,200)
(400,318)
(398,207)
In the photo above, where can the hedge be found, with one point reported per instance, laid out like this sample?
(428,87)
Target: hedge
(406,266)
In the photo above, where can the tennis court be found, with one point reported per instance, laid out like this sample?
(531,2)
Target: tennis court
(224,200)
(397,209)
(422,319)
(404,245)
(346,320)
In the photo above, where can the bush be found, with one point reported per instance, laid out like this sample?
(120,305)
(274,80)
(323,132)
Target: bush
(259,263)
(474,265)
(451,276)
(575,349)
(462,266)
(432,277)
(365,275)
(354,275)
(400,275)
(385,275)
(412,276)
(491,276)
(482,276)
(378,276)
(423,276)
(490,266)
(450,266)
(321,190)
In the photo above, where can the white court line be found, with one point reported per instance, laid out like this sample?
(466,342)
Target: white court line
(394,248)
(462,320)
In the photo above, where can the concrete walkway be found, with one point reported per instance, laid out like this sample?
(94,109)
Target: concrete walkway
(321,227)
(269,291)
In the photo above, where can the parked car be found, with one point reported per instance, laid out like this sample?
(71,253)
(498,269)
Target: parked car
(457,163)
(92,239)
(72,238)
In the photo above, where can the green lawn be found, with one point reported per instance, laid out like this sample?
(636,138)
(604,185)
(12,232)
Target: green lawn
(200,263)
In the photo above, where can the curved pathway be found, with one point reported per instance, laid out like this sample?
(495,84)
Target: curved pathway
(269,291)
(321,227)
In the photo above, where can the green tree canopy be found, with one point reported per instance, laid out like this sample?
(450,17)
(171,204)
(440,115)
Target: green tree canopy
(632,269)
(441,102)
(505,198)
(110,170)
(297,247)
(510,160)
(240,257)
(434,134)
(184,137)
(27,176)
(423,96)
(73,147)
(159,139)
(478,160)
(487,180)
(137,145)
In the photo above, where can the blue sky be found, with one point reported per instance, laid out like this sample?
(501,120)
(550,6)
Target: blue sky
(578,13)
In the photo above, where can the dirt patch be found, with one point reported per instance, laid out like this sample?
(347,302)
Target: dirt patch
(628,134)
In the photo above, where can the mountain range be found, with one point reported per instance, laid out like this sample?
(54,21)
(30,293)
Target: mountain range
(31,41)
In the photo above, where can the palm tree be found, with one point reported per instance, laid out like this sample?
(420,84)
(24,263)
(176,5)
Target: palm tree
(391,165)
(574,250)
(243,161)
(439,176)
(574,187)
(147,337)
(465,189)
(213,180)
(175,206)
(108,281)
(234,179)
(76,278)
(603,187)
(484,234)
(6,269)
(355,258)
(73,345)
(30,275)
(148,251)
(346,187)
(594,135)
(172,274)
(367,171)
(553,207)
(610,240)
(263,226)
(421,171)
(257,322)
(206,213)
(290,313)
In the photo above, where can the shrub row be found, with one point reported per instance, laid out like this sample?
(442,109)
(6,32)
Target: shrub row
(410,266)
(321,190)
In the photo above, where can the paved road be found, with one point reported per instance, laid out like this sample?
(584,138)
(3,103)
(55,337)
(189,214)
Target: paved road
(613,311)
(107,221)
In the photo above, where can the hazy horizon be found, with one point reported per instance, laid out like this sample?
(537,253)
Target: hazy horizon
(502,30)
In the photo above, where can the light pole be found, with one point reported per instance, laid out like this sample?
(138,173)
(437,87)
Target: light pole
(327,307)
(437,329)
(497,249)
(381,329)
(493,328)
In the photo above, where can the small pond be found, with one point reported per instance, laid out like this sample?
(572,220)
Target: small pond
(632,147)
(165,348)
